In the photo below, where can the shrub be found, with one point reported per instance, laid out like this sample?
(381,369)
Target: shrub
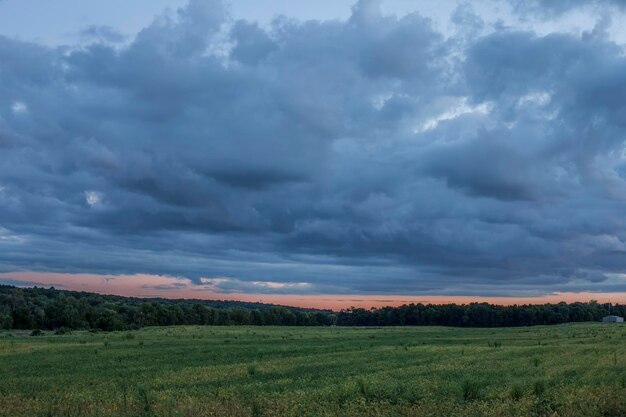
(63,331)
(539,388)
(360,383)
(146,399)
(517,392)
(256,408)
(123,385)
(36,332)
(470,390)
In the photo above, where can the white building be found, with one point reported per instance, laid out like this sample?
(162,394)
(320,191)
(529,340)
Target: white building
(612,319)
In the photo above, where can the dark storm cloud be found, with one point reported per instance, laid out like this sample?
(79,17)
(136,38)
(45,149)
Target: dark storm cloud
(371,155)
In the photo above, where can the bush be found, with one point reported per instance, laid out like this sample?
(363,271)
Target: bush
(539,387)
(360,383)
(256,408)
(36,332)
(63,330)
(517,392)
(146,400)
(470,390)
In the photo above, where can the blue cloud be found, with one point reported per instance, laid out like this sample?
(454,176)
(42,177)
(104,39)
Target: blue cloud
(367,155)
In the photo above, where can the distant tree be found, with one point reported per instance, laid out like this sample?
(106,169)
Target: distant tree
(48,308)
(23,318)
(256,317)
(239,316)
(108,320)
(6,320)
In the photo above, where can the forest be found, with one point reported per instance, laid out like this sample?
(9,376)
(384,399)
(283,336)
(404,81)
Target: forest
(53,309)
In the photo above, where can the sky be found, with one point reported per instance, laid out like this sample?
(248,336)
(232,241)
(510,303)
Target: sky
(321,154)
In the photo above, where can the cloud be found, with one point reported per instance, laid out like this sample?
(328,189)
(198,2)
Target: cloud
(22,283)
(102,34)
(372,155)
(552,8)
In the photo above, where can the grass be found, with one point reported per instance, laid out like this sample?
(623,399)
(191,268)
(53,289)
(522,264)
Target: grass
(566,370)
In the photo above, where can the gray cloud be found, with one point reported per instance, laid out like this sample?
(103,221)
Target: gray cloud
(102,34)
(371,155)
(552,8)
(22,283)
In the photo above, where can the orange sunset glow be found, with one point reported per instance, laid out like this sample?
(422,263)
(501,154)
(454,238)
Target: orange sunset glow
(147,286)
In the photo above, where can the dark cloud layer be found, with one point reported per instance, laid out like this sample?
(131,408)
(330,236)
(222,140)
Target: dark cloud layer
(371,155)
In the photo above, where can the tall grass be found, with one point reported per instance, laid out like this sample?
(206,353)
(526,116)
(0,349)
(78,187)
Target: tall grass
(270,371)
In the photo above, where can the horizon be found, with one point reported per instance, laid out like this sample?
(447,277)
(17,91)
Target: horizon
(89,283)
(354,153)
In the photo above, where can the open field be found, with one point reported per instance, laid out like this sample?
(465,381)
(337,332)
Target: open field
(566,370)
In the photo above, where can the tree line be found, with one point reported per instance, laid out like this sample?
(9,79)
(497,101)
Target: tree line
(48,309)
(478,314)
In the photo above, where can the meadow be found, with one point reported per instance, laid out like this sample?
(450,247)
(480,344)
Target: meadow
(563,370)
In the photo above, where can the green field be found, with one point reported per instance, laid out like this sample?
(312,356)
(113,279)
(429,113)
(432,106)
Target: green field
(566,370)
